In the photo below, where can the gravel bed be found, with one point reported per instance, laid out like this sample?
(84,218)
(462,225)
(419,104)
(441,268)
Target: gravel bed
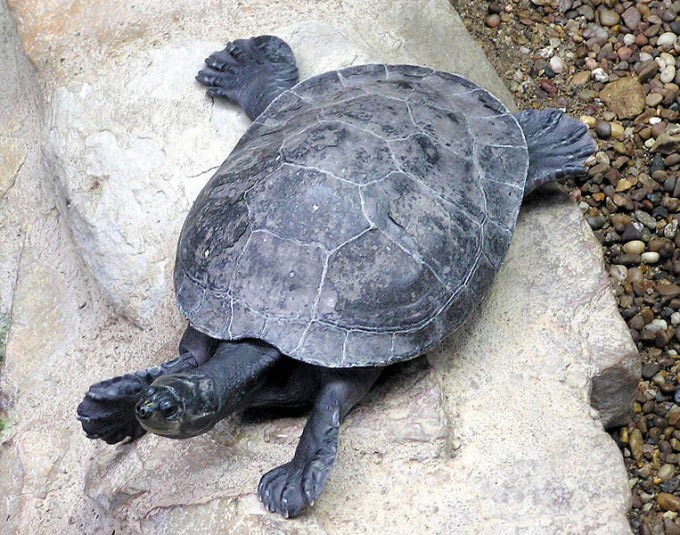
(615,65)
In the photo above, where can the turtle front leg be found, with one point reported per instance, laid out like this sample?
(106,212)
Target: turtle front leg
(292,487)
(108,410)
(250,72)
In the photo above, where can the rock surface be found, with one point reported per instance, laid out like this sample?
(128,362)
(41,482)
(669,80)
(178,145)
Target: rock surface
(494,431)
(625,97)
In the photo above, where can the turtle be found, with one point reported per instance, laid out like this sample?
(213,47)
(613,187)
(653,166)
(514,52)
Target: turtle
(358,222)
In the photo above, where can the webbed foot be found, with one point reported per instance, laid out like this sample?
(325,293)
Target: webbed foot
(250,72)
(108,410)
(291,488)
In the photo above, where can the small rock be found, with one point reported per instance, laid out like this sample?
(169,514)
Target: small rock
(634,247)
(668,502)
(667,143)
(646,219)
(650,257)
(635,444)
(609,17)
(653,99)
(649,370)
(586,11)
(670,527)
(656,326)
(556,64)
(624,53)
(596,222)
(625,97)
(648,71)
(603,129)
(492,21)
(631,232)
(674,416)
(623,184)
(631,17)
(668,290)
(548,86)
(599,75)
(667,39)
(666,472)
(617,130)
(588,120)
(675,319)
(619,273)
(667,74)
(580,78)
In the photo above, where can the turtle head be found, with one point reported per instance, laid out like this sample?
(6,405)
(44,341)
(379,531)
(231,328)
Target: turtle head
(179,406)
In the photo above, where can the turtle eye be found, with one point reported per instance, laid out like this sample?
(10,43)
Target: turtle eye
(168,409)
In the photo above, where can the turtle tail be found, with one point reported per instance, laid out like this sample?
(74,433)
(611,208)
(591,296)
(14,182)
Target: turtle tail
(557,144)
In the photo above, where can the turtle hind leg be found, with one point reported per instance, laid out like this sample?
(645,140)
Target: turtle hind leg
(290,488)
(108,410)
(250,72)
(557,144)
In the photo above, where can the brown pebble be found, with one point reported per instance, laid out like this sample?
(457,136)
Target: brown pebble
(636,322)
(658,129)
(624,53)
(492,21)
(635,444)
(661,340)
(629,259)
(653,99)
(668,290)
(674,416)
(549,87)
(580,78)
(667,388)
(647,315)
(668,502)
(670,527)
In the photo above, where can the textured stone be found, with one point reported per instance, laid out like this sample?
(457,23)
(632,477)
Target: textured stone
(127,171)
(625,97)
(466,439)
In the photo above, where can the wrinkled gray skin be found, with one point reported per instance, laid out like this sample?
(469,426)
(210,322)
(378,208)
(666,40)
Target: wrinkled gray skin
(358,221)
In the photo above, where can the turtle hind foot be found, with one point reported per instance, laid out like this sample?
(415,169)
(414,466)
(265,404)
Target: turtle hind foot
(108,410)
(558,146)
(250,72)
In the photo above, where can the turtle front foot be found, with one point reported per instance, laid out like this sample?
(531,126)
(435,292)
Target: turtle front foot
(250,72)
(291,488)
(108,410)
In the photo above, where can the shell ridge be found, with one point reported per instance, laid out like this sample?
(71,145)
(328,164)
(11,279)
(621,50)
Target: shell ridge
(292,240)
(312,168)
(350,125)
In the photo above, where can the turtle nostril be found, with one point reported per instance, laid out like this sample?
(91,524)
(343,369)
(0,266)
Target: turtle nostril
(143,411)
(168,409)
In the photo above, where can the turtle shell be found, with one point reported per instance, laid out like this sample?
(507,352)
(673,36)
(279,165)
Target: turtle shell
(359,220)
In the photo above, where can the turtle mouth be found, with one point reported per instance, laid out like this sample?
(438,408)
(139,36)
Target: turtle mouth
(178,406)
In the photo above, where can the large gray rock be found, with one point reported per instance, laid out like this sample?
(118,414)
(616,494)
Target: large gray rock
(114,134)
(494,432)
